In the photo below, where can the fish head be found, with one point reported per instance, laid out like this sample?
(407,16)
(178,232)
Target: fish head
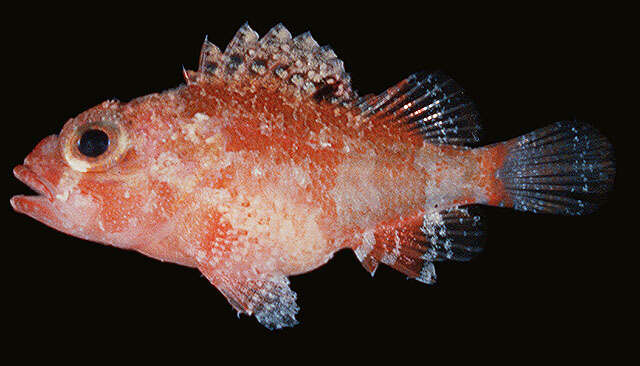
(90,179)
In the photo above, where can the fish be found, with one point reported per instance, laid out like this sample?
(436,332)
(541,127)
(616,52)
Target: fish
(266,162)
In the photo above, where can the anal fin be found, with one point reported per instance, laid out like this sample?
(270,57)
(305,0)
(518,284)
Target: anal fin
(411,244)
(364,252)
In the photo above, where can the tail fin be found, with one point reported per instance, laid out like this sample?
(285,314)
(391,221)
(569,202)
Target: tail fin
(565,168)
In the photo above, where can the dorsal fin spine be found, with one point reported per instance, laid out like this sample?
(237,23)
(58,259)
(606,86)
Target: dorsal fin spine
(299,63)
(210,57)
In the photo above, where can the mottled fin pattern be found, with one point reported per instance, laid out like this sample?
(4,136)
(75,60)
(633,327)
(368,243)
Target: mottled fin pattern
(270,299)
(297,63)
(414,244)
(565,168)
(432,105)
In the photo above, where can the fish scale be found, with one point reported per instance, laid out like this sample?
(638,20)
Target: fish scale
(266,162)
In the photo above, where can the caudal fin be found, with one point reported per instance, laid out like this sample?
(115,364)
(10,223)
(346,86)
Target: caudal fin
(565,168)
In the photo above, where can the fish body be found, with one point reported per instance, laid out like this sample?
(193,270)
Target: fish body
(266,162)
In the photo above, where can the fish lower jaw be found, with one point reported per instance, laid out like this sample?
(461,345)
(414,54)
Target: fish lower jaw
(21,203)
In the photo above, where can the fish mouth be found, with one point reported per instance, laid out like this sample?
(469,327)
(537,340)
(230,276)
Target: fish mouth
(41,206)
(27,176)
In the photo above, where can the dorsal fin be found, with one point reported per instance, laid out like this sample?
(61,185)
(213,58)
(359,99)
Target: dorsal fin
(298,63)
(433,105)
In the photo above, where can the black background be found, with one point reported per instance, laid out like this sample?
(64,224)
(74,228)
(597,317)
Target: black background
(545,285)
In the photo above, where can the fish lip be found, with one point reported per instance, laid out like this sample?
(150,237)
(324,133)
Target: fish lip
(27,176)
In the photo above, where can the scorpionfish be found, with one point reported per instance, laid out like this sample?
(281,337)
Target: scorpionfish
(265,162)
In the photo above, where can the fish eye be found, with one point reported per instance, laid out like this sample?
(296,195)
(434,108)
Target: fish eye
(93,143)
(93,146)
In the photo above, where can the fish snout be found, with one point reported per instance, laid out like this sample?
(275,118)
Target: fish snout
(40,171)
(46,151)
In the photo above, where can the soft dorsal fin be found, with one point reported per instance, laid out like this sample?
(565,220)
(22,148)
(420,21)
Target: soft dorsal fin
(299,63)
(433,105)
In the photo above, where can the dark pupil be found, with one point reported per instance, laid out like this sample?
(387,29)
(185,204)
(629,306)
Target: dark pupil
(93,143)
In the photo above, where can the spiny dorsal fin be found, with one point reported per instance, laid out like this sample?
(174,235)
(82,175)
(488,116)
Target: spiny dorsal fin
(299,63)
(432,105)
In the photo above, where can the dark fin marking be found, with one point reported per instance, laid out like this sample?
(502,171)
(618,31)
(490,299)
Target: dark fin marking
(270,299)
(432,105)
(565,168)
(298,63)
(210,58)
(456,234)
(413,245)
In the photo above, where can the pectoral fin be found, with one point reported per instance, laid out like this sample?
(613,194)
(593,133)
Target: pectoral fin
(267,297)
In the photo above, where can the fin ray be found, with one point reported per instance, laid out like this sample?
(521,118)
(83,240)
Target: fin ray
(432,105)
(267,297)
(565,168)
(412,245)
(298,63)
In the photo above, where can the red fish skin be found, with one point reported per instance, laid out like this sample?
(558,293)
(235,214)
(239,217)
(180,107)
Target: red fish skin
(243,177)
(296,190)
